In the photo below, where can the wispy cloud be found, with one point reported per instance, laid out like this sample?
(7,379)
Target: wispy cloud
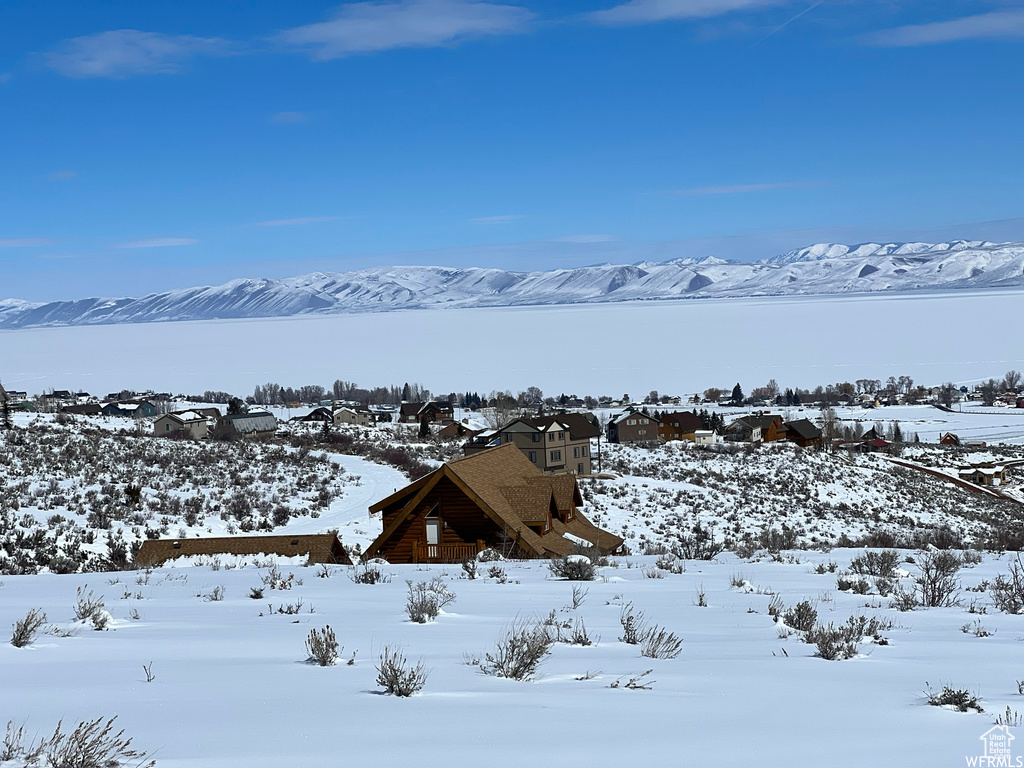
(379,26)
(737,189)
(296,222)
(121,53)
(502,219)
(583,239)
(159,242)
(61,175)
(289,118)
(24,242)
(649,11)
(1006,24)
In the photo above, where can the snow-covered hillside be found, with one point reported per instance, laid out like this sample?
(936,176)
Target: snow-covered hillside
(822,269)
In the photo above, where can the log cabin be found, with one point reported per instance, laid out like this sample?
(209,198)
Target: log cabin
(496,498)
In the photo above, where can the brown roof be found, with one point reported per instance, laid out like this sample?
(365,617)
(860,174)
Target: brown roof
(509,489)
(686,420)
(318,547)
(804,428)
(580,427)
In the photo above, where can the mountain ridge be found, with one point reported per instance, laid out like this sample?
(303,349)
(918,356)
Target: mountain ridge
(819,269)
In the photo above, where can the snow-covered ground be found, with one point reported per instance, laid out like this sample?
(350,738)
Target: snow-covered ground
(681,346)
(232,687)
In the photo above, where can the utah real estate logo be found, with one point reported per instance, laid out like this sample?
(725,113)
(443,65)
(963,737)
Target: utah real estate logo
(998,751)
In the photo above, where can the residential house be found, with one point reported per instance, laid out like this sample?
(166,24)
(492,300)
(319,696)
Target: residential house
(494,498)
(458,429)
(949,438)
(317,548)
(804,433)
(133,409)
(984,474)
(252,424)
(85,409)
(756,428)
(554,444)
(316,416)
(679,426)
(360,417)
(633,427)
(436,411)
(705,437)
(194,424)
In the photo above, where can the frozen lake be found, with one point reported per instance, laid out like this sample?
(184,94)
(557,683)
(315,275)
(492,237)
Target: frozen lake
(678,347)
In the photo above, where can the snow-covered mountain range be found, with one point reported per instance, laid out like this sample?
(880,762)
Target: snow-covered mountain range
(815,270)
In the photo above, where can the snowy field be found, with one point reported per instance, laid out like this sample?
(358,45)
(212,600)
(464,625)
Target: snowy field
(681,346)
(232,686)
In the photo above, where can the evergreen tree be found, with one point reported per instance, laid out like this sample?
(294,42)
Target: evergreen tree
(424,426)
(737,394)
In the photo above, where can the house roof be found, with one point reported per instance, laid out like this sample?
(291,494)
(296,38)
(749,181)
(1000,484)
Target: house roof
(580,427)
(510,490)
(319,547)
(804,428)
(256,421)
(687,421)
(185,417)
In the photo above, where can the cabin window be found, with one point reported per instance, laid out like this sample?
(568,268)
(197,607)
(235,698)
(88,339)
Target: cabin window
(533,456)
(551,437)
(576,452)
(536,437)
(433,526)
(556,455)
(584,449)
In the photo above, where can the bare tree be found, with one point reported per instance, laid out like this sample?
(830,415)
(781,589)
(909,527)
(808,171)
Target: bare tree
(988,391)
(1011,381)
(947,392)
(713,394)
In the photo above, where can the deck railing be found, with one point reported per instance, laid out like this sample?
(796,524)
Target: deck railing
(445,553)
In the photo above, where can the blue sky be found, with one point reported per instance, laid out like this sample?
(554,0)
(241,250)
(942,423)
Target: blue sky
(149,146)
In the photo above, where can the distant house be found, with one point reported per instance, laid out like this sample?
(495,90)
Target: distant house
(705,437)
(554,444)
(315,416)
(252,424)
(633,427)
(804,433)
(133,409)
(679,426)
(949,438)
(86,409)
(192,423)
(494,498)
(984,474)
(437,412)
(317,548)
(357,416)
(458,429)
(757,428)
